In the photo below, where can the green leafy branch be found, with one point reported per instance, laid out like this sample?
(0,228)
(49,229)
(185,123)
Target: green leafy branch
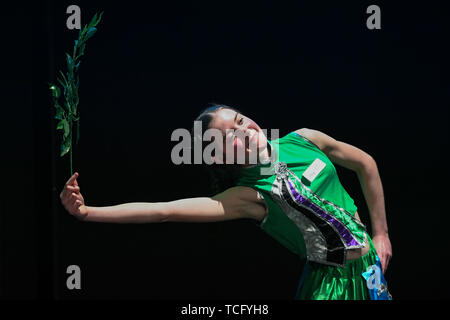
(68,114)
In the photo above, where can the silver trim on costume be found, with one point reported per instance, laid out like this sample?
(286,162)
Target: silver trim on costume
(316,245)
(332,225)
(314,240)
(327,201)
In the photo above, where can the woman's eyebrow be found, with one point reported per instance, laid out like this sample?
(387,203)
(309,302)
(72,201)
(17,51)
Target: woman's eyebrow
(235,117)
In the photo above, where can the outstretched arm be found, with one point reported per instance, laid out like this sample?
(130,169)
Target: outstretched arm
(365,167)
(233,203)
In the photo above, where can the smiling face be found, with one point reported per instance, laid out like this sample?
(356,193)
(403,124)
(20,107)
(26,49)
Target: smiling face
(243,136)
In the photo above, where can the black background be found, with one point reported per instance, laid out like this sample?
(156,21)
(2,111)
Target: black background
(150,69)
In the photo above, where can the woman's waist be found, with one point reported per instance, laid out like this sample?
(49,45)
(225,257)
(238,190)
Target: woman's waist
(353,254)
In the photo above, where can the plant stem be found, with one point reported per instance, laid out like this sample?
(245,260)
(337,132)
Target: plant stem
(71,149)
(71,171)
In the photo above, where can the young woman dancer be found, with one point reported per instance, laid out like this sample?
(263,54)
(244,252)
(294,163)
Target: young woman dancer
(298,200)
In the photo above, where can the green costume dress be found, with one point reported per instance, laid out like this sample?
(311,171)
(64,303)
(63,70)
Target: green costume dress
(314,219)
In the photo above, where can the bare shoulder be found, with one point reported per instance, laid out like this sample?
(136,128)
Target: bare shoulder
(305,132)
(311,134)
(322,140)
(247,200)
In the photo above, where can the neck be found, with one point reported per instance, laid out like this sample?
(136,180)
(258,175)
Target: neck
(263,157)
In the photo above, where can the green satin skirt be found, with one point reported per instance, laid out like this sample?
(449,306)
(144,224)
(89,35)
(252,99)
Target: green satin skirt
(322,282)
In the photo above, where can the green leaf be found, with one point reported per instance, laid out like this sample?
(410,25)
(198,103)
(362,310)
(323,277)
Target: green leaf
(94,18)
(59,113)
(66,128)
(58,107)
(99,18)
(64,78)
(82,47)
(61,82)
(64,125)
(56,92)
(68,108)
(91,32)
(69,63)
(82,32)
(60,125)
(65,147)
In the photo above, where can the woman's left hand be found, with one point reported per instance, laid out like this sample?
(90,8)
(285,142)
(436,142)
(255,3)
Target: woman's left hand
(384,250)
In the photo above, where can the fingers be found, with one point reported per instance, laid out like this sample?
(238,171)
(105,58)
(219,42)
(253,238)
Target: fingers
(381,257)
(385,262)
(75,196)
(71,197)
(73,189)
(69,200)
(67,192)
(74,208)
(72,179)
(70,186)
(388,259)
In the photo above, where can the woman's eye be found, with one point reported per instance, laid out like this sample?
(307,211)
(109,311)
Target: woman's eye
(241,120)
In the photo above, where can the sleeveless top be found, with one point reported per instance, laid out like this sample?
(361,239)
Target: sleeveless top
(314,219)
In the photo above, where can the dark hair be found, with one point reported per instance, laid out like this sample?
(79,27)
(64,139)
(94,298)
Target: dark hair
(222,176)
